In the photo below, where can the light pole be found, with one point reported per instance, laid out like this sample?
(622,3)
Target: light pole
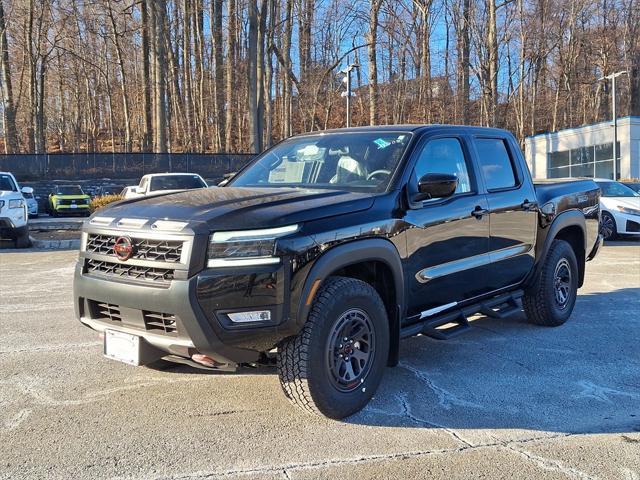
(612,77)
(347,79)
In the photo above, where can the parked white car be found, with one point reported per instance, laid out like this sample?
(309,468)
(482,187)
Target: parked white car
(14,217)
(32,203)
(620,207)
(157,183)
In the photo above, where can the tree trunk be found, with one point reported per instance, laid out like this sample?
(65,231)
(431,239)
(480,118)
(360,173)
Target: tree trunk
(231,77)
(287,85)
(492,47)
(9,110)
(252,87)
(373,63)
(146,74)
(123,80)
(216,38)
(158,11)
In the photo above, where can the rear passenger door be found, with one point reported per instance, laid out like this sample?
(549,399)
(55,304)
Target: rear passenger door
(513,210)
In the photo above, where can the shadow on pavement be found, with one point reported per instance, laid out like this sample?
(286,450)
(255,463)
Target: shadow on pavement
(508,374)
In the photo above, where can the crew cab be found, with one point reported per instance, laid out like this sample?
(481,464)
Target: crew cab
(328,249)
(14,217)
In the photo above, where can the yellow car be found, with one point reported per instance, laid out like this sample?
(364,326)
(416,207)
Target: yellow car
(69,199)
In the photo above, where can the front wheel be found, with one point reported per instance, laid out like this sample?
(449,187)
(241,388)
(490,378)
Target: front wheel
(335,364)
(550,300)
(22,239)
(608,228)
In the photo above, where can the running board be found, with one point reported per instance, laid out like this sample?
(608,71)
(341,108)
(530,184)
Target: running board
(447,325)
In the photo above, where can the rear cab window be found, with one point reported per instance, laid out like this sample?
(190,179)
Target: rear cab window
(496,164)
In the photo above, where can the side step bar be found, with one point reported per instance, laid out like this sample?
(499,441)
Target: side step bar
(447,325)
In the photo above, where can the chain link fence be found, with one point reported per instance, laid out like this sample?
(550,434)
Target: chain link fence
(88,166)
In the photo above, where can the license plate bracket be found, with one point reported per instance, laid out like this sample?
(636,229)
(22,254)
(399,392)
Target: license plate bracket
(122,347)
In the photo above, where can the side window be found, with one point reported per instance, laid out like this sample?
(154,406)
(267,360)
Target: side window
(444,155)
(495,162)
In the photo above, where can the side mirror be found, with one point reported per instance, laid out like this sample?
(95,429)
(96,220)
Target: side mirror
(436,185)
(27,190)
(138,190)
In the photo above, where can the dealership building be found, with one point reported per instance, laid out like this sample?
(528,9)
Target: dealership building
(586,151)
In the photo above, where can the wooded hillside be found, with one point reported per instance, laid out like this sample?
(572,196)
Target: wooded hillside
(238,75)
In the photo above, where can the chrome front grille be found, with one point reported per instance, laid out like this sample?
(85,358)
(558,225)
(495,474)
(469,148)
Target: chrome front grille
(130,272)
(169,251)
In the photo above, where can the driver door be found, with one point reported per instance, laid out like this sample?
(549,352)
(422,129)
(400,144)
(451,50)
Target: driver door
(447,250)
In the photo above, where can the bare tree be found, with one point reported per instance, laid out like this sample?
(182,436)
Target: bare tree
(9,110)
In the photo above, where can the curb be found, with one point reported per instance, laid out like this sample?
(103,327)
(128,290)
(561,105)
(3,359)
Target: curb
(71,244)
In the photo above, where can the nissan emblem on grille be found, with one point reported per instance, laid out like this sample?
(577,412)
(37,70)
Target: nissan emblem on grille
(123,248)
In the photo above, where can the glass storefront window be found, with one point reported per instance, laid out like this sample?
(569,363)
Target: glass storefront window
(593,161)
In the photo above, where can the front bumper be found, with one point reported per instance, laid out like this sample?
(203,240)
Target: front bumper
(199,306)
(627,224)
(72,208)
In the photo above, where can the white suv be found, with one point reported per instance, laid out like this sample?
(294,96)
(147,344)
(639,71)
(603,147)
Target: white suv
(13,211)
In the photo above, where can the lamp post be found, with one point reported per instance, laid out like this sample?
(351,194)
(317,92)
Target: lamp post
(347,79)
(612,77)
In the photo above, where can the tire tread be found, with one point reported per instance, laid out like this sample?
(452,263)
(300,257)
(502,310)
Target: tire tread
(293,353)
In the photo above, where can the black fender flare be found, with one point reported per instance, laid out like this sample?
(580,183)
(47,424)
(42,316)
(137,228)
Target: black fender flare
(340,256)
(569,218)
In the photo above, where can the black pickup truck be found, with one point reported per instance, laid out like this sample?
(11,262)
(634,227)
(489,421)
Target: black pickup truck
(327,249)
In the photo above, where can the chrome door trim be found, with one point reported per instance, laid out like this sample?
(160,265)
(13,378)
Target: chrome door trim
(444,269)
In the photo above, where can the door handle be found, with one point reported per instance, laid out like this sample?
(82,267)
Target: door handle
(527,205)
(479,212)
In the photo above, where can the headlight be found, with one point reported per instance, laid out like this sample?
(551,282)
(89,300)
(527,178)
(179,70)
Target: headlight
(629,211)
(246,247)
(17,203)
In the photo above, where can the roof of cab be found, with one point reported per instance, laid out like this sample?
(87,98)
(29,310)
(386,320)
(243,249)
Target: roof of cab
(412,128)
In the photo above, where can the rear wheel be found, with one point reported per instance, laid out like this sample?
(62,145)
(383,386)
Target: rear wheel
(334,366)
(551,299)
(608,228)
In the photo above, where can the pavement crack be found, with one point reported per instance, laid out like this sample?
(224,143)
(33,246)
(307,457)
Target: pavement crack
(446,399)
(374,458)
(551,465)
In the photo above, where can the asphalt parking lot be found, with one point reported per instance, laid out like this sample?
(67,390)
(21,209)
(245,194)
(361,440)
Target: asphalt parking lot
(507,400)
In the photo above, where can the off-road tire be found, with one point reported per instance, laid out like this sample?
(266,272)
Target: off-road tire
(540,303)
(305,375)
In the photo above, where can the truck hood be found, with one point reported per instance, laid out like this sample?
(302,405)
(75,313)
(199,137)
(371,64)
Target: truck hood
(236,208)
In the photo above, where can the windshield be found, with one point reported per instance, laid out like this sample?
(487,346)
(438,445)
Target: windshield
(616,189)
(348,161)
(70,190)
(176,182)
(7,184)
